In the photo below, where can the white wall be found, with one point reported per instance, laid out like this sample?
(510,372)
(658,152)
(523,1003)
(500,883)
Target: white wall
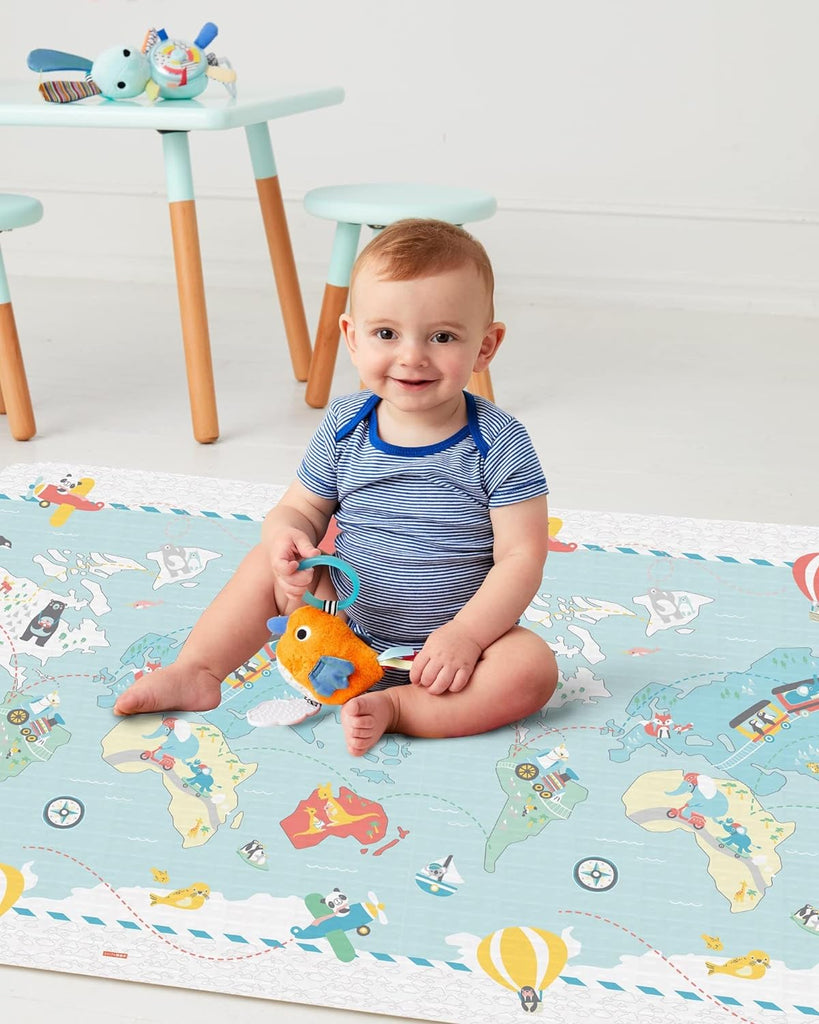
(640,150)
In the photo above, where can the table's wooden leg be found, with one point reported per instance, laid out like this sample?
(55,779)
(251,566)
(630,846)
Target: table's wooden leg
(190,286)
(14,395)
(281,251)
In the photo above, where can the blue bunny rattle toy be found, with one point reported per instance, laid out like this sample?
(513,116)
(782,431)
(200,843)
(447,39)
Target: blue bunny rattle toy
(162,67)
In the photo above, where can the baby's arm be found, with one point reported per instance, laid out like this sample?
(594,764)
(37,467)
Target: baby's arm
(449,656)
(228,631)
(290,533)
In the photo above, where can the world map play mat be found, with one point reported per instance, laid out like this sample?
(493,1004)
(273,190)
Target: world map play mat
(644,849)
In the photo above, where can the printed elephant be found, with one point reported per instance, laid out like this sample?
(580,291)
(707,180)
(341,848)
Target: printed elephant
(180,742)
(705,797)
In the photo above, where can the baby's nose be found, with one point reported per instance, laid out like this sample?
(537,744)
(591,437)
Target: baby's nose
(413,353)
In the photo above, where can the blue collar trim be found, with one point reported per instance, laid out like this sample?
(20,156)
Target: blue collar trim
(472,427)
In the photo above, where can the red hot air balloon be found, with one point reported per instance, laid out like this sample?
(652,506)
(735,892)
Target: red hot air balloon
(806,575)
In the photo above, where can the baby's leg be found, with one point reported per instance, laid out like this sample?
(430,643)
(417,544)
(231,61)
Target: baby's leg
(230,631)
(515,677)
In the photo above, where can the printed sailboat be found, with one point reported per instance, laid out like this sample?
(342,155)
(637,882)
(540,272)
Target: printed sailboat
(439,878)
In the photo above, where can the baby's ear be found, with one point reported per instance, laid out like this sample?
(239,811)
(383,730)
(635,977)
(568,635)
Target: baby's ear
(347,329)
(493,336)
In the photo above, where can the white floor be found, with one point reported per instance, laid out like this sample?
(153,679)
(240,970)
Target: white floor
(710,415)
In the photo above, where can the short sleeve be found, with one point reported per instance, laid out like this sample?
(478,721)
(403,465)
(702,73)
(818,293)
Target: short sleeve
(318,466)
(512,470)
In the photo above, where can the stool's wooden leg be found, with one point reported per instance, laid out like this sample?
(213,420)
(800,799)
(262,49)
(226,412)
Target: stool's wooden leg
(481,384)
(13,381)
(14,396)
(320,378)
(325,350)
(280,248)
(191,287)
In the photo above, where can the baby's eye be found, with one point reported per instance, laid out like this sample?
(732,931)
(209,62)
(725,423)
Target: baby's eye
(441,337)
(385,333)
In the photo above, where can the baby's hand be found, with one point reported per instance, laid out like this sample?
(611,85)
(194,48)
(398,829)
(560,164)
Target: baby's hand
(447,660)
(286,550)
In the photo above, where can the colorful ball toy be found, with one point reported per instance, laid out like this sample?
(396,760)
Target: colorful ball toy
(161,67)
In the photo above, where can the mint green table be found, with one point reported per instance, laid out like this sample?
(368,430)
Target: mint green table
(214,110)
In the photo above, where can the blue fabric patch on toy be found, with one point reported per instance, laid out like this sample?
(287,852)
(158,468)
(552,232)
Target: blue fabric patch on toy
(331,674)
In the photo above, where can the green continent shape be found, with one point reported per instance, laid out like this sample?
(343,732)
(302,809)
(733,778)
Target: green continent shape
(513,825)
(16,752)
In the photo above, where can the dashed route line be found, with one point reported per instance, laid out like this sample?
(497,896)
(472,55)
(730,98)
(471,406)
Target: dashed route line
(333,769)
(518,745)
(351,784)
(13,660)
(697,992)
(786,588)
(442,800)
(795,807)
(763,768)
(149,927)
(705,995)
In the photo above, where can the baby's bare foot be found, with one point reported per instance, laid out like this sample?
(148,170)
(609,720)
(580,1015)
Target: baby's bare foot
(365,719)
(175,688)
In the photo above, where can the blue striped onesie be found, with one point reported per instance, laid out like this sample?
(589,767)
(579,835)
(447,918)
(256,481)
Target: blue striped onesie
(415,522)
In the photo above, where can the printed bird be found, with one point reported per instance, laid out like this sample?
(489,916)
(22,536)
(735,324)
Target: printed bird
(712,942)
(191,898)
(159,875)
(812,766)
(751,966)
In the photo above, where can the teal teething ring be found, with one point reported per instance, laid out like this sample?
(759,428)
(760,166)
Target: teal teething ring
(346,568)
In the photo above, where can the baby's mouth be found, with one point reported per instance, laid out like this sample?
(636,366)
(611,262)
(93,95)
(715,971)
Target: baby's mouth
(411,385)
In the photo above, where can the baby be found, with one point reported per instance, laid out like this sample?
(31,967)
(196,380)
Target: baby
(440,501)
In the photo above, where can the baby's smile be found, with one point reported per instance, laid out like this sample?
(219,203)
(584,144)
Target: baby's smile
(411,385)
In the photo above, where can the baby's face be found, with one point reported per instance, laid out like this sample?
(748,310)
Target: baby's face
(415,343)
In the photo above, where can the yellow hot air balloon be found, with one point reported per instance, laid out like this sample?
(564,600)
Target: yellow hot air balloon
(15,883)
(524,960)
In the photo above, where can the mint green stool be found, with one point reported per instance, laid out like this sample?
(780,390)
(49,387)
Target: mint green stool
(15,212)
(376,205)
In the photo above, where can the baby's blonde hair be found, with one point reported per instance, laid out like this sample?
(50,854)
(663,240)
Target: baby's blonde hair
(418,247)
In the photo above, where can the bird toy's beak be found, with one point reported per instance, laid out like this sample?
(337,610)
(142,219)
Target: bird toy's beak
(277,625)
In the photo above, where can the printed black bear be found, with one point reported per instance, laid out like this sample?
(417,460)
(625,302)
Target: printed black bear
(44,623)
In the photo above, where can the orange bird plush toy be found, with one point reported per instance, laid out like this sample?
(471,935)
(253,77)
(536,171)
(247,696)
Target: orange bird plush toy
(320,655)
